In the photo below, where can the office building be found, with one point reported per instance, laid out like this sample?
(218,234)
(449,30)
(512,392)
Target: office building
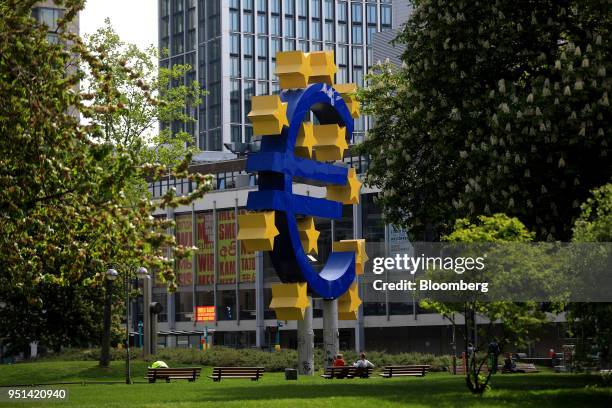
(48,13)
(232,46)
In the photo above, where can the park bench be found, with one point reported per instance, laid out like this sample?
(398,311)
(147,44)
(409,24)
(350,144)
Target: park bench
(346,372)
(183,373)
(405,371)
(522,368)
(254,373)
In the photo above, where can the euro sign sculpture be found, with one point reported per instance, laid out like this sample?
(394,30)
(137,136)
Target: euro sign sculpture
(292,147)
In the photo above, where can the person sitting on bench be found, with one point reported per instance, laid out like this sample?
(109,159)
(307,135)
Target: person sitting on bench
(363,362)
(339,361)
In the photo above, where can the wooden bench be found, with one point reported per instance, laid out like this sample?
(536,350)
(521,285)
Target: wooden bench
(346,372)
(526,368)
(254,373)
(183,373)
(405,371)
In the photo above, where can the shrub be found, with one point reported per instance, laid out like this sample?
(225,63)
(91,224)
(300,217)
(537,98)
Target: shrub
(272,361)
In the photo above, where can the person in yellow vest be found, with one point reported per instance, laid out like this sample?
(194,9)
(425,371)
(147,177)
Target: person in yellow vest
(159,364)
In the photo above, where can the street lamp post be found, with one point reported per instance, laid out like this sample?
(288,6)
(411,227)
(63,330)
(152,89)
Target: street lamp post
(112,274)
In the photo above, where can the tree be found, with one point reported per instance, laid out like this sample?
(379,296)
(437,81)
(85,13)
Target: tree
(509,322)
(496,108)
(594,320)
(133,127)
(62,187)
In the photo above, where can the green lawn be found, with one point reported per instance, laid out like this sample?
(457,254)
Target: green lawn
(435,390)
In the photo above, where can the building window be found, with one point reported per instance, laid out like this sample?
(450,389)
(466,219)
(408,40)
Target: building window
(275,26)
(289,45)
(315,9)
(249,92)
(289,27)
(262,6)
(248,69)
(183,302)
(276,47)
(302,28)
(262,24)
(262,47)
(356,13)
(234,20)
(235,99)
(316,30)
(236,133)
(342,33)
(247,45)
(385,16)
(328,9)
(262,69)
(342,11)
(247,21)
(329,31)
(371,14)
(262,88)
(302,6)
(357,34)
(289,6)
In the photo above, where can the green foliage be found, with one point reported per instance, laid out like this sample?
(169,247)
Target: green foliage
(595,221)
(498,228)
(515,320)
(133,125)
(272,361)
(592,322)
(497,108)
(64,217)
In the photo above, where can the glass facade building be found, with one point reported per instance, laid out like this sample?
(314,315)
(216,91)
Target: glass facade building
(232,46)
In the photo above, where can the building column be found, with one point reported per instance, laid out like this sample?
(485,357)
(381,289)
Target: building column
(170,297)
(215,258)
(260,324)
(359,324)
(194,262)
(237,284)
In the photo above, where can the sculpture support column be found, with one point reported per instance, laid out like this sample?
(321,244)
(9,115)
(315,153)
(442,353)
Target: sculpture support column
(330,330)
(305,339)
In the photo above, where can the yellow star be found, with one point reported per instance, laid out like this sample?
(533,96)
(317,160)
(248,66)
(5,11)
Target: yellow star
(331,142)
(257,230)
(308,235)
(289,300)
(348,304)
(268,115)
(305,141)
(323,67)
(293,69)
(347,194)
(347,91)
(353,245)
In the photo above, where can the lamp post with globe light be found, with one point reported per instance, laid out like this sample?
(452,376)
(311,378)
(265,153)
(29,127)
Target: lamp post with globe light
(111,275)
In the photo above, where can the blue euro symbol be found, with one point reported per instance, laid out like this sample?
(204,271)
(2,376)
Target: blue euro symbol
(277,166)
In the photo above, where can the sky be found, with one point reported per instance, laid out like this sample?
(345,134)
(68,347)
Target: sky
(134,20)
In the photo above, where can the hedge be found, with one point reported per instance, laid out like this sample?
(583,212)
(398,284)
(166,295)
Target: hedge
(272,361)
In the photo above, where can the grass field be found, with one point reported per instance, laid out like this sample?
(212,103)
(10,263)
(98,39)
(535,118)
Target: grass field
(435,390)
